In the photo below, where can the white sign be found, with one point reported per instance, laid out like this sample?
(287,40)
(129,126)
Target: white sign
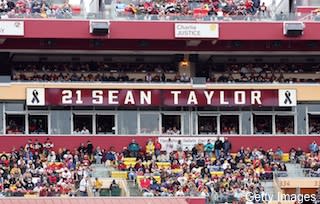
(287,98)
(187,142)
(35,97)
(12,28)
(197,30)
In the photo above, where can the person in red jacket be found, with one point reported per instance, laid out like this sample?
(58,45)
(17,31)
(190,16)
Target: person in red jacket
(157,147)
(145,183)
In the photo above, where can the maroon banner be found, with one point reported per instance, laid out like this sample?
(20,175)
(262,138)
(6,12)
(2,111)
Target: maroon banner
(138,97)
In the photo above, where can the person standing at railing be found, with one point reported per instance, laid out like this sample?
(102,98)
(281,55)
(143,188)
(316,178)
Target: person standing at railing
(314,147)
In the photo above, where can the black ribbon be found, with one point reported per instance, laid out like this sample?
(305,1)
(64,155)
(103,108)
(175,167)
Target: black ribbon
(35,97)
(287,94)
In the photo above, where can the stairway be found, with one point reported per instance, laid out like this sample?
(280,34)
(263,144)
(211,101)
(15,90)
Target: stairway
(294,170)
(133,189)
(100,171)
(269,189)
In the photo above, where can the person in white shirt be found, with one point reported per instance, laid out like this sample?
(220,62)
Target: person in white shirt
(83,188)
(169,146)
(52,157)
(85,130)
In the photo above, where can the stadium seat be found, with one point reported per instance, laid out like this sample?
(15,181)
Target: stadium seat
(116,192)
(119,174)
(104,192)
(164,165)
(129,159)
(217,173)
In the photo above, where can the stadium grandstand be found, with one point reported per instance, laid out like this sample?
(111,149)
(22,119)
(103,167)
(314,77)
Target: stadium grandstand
(160,101)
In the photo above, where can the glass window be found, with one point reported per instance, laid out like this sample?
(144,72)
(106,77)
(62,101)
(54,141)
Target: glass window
(284,124)
(229,124)
(262,124)
(60,122)
(127,122)
(314,124)
(105,124)
(171,124)
(38,124)
(82,124)
(14,107)
(149,123)
(15,124)
(207,125)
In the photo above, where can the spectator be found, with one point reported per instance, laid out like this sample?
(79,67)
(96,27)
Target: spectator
(97,187)
(218,145)
(226,146)
(84,185)
(133,148)
(150,147)
(313,147)
(157,147)
(208,148)
(85,131)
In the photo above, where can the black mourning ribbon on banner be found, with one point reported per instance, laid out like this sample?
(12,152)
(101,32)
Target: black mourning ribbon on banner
(35,97)
(287,94)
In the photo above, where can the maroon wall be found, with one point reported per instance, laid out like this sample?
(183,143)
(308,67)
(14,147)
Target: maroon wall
(71,142)
(196,200)
(156,30)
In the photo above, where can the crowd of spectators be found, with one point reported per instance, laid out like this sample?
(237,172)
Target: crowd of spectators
(311,162)
(39,169)
(314,125)
(34,9)
(208,170)
(164,72)
(36,168)
(262,73)
(166,10)
(106,72)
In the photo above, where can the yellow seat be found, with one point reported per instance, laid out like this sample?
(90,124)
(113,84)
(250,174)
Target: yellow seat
(119,174)
(177,171)
(128,163)
(129,159)
(285,157)
(163,165)
(217,173)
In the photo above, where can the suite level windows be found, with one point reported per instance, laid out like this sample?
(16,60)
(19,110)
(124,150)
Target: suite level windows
(207,125)
(262,124)
(149,123)
(217,124)
(229,124)
(171,124)
(314,123)
(82,124)
(284,124)
(105,124)
(38,124)
(15,124)
(94,124)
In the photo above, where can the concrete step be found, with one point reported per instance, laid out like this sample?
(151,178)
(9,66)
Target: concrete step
(294,170)
(269,189)
(134,189)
